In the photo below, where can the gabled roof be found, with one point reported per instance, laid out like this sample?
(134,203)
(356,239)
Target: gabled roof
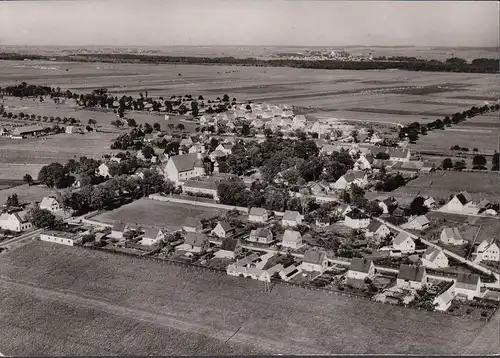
(399,153)
(119,226)
(432,253)
(48,200)
(27,129)
(292,236)
(261,232)
(464,197)
(185,162)
(357,214)
(316,257)
(467,281)
(151,233)
(400,238)
(360,265)
(288,271)
(421,219)
(352,175)
(452,233)
(291,215)
(374,226)
(195,239)
(257,211)
(229,244)
(225,226)
(411,273)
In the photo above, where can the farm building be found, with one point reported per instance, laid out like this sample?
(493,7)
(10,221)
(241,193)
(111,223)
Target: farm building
(60,237)
(182,167)
(291,239)
(468,286)
(451,236)
(291,218)
(356,219)
(462,203)
(314,261)
(251,266)
(361,269)
(201,185)
(23,132)
(410,276)
(223,229)
(434,258)
(15,221)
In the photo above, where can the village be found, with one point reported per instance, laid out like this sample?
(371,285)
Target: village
(319,212)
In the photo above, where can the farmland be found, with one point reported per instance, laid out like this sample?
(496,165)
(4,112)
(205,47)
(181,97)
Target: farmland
(101,292)
(156,213)
(26,193)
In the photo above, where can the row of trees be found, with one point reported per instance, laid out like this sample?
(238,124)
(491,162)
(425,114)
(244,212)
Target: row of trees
(38,118)
(478,162)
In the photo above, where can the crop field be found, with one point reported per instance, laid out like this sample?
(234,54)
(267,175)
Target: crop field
(96,292)
(157,213)
(26,193)
(442,184)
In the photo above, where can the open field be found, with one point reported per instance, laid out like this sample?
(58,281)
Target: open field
(442,184)
(157,213)
(98,291)
(26,193)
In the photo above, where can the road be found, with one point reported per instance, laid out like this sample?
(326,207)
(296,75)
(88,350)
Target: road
(20,239)
(237,335)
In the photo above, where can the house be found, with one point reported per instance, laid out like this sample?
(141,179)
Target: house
(261,235)
(226,148)
(118,229)
(314,260)
(408,168)
(377,230)
(451,236)
(356,219)
(258,215)
(364,162)
(404,243)
(223,230)
(399,155)
(467,286)
(23,132)
(462,203)
(429,202)
(388,205)
(487,250)
(444,296)
(103,170)
(351,177)
(192,225)
(15,221)
(195,242)
(289,272)
(182,167)
(152,236)
(201,185)
(230,248)
(291,218)
(250,266)
(361,269)
(186,142)
(291,239)
(216,154)
(410,276)
(434,258)
(59,237)
(51,204)
(428,167)
(417,223)
(267,274)
(375,138)
(73,130)
(197,148)
(341,210)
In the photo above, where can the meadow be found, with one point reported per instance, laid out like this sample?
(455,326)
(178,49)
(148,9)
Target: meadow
(95,290)
(155,213)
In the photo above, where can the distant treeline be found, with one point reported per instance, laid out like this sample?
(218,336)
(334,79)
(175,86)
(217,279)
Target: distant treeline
(480,65)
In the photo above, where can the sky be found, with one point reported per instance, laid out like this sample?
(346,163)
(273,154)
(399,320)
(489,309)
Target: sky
(249,23)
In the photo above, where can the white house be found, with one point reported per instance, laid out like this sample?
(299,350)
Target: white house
(377,230)
(118,229)
(388,204)
(487,251)
(351,177)
(222,230)
(409,276)
(290,272)
(429,202)
(403,243)
(201,185)
(195,242)
(462,203)
(59,237)
(15,221)
(356,219)
(230,248)
(399,155)
(468,286)
(250,266)
(451,236)
(314,260)
(226,148)
(103,170)
(364,162)
(434,258)
(417,223)
(258,215)
(152,236)
(291,218)
(444,297)
(51,204)
(261,235)
(182,167)
(291,239)
(361,269)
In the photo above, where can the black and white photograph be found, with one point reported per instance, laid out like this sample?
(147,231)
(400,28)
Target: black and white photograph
(249,178)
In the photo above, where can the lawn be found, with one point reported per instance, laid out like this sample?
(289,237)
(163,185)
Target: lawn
(156,213)
(26,193)
(288,320)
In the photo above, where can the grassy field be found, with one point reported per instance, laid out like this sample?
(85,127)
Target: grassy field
(287,320)
(156,213)
(442,184)
(26,193)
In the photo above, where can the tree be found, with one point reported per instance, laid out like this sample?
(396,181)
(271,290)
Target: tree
(147,128)
(412,136)
(447,163)
(460,165)
(41,218)
(382,155)
(117,123)
(52,175)
(181,127)
(92,122)
(12,200)
(225,98)
(194,108)
(417,206)
(374,209)
(245,129)
(157,127)
(495,161)
(131,122)
(358,196)
(479,162)
(28,179)
(148,152)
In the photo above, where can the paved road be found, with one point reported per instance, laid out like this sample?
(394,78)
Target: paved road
(159,319)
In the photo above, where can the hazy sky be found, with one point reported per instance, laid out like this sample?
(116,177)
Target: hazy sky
(248,22)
